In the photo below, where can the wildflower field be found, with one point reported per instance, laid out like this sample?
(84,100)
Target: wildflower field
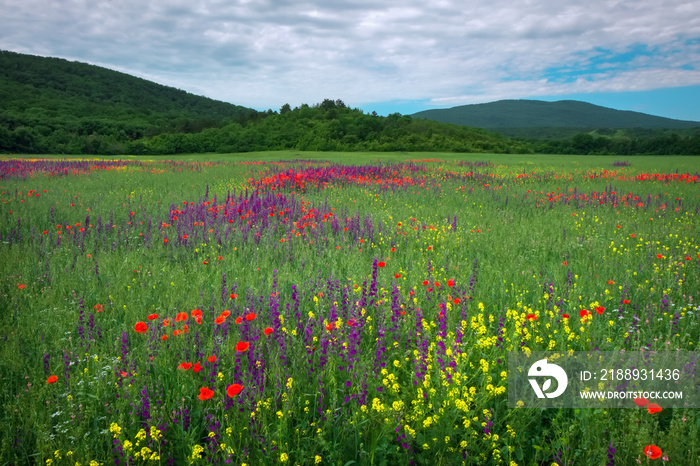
(336,309)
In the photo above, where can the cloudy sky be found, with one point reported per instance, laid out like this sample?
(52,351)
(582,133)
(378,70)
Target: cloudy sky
(380,55)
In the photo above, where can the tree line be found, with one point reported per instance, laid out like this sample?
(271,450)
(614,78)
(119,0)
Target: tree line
(588,144)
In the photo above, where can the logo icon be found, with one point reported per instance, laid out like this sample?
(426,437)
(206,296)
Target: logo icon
(542,368)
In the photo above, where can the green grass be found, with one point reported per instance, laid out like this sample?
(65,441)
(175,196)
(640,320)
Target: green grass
(300,401)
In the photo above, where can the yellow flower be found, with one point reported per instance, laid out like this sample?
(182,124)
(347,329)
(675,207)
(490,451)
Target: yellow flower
(317,459)
(284,457)
(197,451)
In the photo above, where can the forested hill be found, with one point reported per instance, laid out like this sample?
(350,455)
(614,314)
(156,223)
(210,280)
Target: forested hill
(332,126)
(561,114)
(54,106)
(51,104)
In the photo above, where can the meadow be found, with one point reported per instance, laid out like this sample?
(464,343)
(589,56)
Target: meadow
(336,308)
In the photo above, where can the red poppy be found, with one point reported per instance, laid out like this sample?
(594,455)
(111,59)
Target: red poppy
(625,301)
(185,366)
(22,286)
(238,320)
(600,310)
(234,390)
(164,337)
(165,240)
(197,367)
(397,275)
(352,322)
(177,332)
(220,320)
(425,282)
(250,316)
(641,402)
(437,284)
(457,301)
(211,358)
(196,313)
(99,308)
(52,379)
(450,282)
(268,331)
(610,282)
(226,313)
(153,317)
(123,374)
(652,452)
(141,327)
(565,316)
(166,322)
(205,393)
(659,256)
(198,319)
(181,316)
(531,317)
(329,327)
(653,408)
(584,313)
(688,258)
(233,296)
(381,264)
(242,346)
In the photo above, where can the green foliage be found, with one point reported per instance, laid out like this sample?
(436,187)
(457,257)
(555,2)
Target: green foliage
(53,105)
(50,105)
(332,126)
(591,144)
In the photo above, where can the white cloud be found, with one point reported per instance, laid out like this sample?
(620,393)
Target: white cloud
(265,53)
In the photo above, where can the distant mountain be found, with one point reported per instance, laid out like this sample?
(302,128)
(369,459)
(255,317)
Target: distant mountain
(517,117)
(52,104)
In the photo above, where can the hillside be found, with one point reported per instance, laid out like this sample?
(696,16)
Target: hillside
(534,119)
(51,104)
